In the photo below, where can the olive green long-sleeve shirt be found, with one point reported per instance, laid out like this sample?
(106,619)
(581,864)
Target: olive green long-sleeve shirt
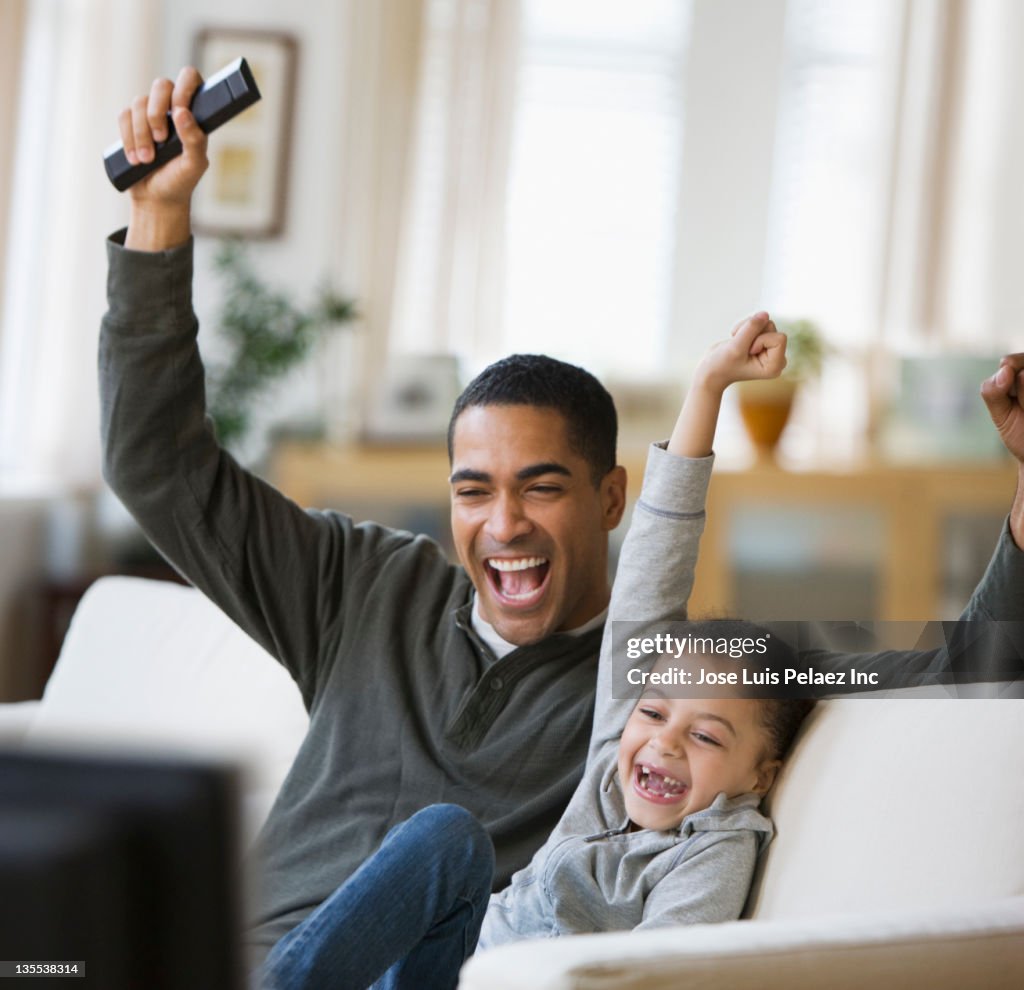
(407,706)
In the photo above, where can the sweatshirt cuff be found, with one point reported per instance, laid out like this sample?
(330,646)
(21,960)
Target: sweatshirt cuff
(147,288)
(671,482)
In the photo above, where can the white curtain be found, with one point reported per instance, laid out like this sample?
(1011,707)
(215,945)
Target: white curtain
(383,50)
(62,206)
(429,94)
(954,252)
(12,34)
(978,275)
(452,259)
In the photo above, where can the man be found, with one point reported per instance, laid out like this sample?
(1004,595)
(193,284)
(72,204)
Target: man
(425,683)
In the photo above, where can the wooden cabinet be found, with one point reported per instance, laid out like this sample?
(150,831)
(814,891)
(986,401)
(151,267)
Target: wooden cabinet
(894,543)
(871,542)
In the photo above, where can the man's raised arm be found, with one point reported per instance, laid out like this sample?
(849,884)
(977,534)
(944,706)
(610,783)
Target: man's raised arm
(1000,594)
(275,569)
(1004,395)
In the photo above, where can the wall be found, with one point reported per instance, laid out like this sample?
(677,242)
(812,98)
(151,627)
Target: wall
(298,260)
(310,247)
(307,245)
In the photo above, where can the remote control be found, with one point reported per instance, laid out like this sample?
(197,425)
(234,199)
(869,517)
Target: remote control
(220,98)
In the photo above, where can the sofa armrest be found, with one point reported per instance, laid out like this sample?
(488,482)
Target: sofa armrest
(980,944)
(15,720)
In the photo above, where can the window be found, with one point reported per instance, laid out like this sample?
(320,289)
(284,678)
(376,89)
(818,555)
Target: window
(828,209)
(541,214)
(594,181)
(600,248)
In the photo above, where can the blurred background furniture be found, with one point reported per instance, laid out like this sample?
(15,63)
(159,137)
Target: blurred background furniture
(151,666)
(863,540)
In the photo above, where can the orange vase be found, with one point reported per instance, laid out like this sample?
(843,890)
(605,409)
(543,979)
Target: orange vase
(765,408)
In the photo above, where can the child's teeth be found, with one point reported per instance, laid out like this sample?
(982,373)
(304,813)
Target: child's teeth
(663,783)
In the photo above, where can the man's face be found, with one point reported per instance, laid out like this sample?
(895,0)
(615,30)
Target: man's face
(676,755)
(529,526)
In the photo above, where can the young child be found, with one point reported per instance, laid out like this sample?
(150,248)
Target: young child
(664,827)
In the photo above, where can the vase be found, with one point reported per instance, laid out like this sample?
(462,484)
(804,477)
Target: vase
(765,408)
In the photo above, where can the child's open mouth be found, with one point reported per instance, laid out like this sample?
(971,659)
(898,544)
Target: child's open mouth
(652,785)
(518,581)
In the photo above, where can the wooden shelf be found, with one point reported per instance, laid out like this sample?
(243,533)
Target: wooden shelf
(912,503)
(316,474)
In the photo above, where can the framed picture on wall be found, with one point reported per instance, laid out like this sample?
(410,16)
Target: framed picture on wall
(244,192)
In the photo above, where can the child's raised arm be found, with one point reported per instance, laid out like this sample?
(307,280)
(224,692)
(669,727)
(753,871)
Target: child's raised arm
(656,565)
(754,350)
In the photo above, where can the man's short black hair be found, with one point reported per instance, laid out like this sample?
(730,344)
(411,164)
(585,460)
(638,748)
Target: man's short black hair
(542,381)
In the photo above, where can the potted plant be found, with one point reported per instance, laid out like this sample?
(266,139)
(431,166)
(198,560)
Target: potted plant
(765,405)
(266,335)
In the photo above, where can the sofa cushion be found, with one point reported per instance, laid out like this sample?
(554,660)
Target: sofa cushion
(148,664)
(897,803)
(931,949)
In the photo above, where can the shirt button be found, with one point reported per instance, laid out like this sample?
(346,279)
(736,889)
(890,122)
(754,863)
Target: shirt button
(497,684)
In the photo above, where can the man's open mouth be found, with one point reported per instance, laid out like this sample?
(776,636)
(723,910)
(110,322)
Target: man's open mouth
(518,580)
(656,786)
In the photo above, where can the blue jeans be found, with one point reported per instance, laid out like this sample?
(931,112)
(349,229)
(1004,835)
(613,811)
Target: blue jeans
(407,918)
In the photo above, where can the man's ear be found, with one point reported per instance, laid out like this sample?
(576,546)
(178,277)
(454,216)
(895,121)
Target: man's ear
(766,772)
(613,496)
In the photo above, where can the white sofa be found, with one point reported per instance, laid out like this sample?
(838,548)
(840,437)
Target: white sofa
(899,859)
(149,666)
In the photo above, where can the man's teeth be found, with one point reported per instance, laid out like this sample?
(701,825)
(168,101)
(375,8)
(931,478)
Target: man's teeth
(518,579)
(519,564)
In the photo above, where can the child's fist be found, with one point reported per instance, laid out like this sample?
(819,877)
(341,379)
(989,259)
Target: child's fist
(754,350)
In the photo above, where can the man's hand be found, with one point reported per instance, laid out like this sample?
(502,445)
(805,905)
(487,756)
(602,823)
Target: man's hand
(754,350)
(161,202)
(1004,395)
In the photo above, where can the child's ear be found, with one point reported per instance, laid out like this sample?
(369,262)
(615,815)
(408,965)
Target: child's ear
(766,772)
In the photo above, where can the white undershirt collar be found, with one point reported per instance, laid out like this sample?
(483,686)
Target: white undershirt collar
(501,647)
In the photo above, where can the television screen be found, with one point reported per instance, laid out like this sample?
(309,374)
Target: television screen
(125,869)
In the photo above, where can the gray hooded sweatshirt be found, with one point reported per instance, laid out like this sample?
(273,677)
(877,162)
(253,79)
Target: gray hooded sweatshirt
(593,874)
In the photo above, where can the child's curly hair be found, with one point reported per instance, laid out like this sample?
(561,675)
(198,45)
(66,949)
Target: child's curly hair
(782,718)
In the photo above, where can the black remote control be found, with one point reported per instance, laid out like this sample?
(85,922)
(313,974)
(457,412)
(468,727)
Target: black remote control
(220,98)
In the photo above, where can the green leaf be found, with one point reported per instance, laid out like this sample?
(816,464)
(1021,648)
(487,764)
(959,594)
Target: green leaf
(266,334)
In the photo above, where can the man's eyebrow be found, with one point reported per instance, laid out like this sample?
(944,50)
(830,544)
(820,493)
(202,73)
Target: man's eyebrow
(545,467)
(523,474)
(468,474)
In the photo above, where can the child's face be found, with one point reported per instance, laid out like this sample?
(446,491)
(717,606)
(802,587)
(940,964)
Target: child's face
(677,755)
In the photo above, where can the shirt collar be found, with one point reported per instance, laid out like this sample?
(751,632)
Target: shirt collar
(502,647)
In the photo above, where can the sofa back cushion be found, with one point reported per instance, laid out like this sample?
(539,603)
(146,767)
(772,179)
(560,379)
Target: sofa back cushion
(151,665)
(898,802)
